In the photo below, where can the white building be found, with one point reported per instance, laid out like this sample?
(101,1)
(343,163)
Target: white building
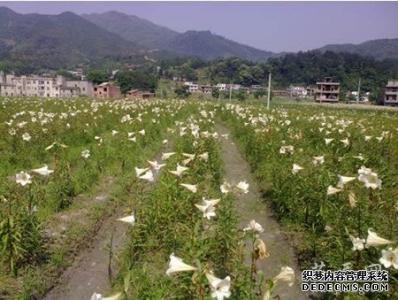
(192,87)
(221,87)
(298,91)
(40,86)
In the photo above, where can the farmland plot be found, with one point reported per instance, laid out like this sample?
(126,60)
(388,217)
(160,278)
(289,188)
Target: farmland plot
(53,151)
(331,178)
(328,175)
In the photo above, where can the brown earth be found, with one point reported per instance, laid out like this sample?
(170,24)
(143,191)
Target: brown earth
(251,206)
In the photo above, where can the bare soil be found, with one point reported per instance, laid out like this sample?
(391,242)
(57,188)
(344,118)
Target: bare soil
(252,206)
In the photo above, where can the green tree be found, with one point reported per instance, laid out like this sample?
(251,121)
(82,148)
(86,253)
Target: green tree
(97,76)
(140,79)
(182,91)
(215,93)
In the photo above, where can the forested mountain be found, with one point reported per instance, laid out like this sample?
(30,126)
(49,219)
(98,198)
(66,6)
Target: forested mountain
(379,49)
(202,44)
(133,28)
(56,41)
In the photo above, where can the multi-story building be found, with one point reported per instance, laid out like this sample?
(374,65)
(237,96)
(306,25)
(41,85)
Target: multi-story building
(206,89)
(192,87)
(222,87)
(40,86)
(391,92)
(327,90)
(107,90)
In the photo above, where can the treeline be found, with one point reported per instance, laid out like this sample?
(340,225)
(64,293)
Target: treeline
(303,68)
(143,79)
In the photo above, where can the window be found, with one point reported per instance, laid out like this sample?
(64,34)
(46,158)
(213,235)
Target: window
(105,89)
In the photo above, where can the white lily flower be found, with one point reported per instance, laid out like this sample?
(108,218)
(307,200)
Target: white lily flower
(359,156)
(243,186)
(23,178)
(332,190)
(286,274)
(129,219)
(165,141)
(114,132)
(97,296)
(328,141)
(374,240)
(225,187)
(296,168)
(370,178)
(167,155)
(220,288)
(188,155)
(389,258)
(53,144)
(204,156)
(177,265)
(142,132)
(357,243)
(180,169)
(286,149)
(44,171)
(148,176)
(208,210)
(85,154)
(346,142)
(26,137)
(155,165)
(318,160)
(191,187)
(254,226)
(139,171)
(344,180)
(210,201)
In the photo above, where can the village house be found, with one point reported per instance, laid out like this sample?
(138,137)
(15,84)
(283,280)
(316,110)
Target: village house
(107,90)
(327,90)
(391,92)
(192,87)
(137,94)
(206,89)
(43,86)
(297,91)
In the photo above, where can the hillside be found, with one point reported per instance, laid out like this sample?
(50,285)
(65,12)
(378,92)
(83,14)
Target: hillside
(207,45)
(133,29)
(56,41)
(203,44)
(379,49)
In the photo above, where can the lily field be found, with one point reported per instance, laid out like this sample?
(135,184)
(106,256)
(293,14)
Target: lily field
(145,200)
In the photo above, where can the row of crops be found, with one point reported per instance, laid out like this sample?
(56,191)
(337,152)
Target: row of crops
(331,179)
(52,151)
(329,175)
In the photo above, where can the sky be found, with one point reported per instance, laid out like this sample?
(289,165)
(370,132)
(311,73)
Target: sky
(272,26)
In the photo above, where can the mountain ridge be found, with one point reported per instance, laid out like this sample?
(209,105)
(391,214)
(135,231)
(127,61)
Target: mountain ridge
(57,41)
(202,44)
(380,49)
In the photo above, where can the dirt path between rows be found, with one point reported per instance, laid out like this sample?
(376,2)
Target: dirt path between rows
(89,271)
(250,206)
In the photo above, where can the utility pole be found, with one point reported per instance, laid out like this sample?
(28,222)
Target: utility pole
(269,90)
(230,91)
(359,89)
